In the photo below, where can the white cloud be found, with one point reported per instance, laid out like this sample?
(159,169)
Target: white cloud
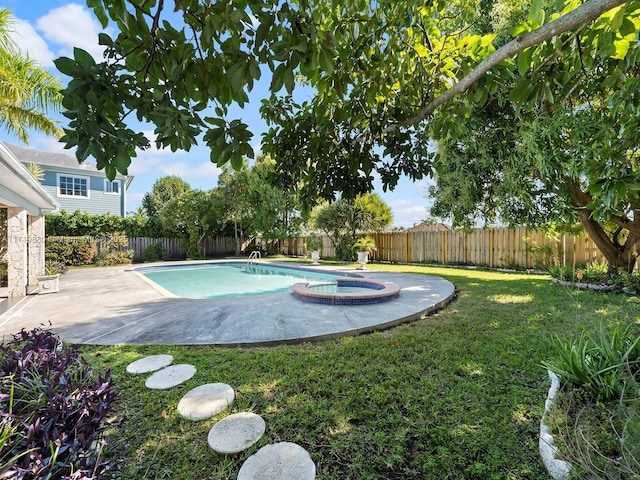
(50,144)
(134,200)
(409,216)
(70,26)
(148,162)
(31,43)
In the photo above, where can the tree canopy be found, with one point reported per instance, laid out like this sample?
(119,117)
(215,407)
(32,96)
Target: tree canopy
(377,71)
(387,77)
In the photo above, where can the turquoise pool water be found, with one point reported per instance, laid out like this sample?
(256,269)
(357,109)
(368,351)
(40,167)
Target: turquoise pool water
(220,280)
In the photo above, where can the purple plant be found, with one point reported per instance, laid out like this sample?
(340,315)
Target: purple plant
(52,407)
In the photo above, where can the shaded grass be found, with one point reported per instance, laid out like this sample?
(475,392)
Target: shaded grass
(457,395)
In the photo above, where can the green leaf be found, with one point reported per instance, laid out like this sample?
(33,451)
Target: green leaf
(83,57)
(618,17)
(519,92)
(421,50)
(622,47)
(524,60)
(519,29)
(67,66)
(325,60)
(535,12)
(277,80)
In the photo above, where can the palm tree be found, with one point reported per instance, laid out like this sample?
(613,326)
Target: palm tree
(27,92)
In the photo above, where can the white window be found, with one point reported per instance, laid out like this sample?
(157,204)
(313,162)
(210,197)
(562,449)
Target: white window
(72,186)
(112,187)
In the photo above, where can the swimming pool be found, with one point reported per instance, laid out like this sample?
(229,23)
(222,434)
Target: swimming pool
(227,280)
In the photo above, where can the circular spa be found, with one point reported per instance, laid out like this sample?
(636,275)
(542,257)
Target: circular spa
(347,291)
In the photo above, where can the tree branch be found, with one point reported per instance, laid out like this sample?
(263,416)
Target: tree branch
(582,15)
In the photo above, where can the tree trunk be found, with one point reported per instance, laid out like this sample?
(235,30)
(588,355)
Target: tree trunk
(619,256)
(238,239)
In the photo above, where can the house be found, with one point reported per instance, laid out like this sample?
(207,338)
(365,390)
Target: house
(77,186)
(429,227)
(26,202)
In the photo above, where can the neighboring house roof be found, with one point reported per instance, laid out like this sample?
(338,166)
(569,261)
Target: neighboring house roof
(60,160)
(436,227)
(18,188)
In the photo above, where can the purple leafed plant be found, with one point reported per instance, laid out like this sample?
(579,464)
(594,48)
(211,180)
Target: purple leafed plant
(52,409)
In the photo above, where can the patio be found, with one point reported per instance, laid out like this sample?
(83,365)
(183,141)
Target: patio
(113,305)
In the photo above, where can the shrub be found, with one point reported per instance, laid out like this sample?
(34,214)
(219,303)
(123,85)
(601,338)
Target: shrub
(113,250)
(561,272)
(52,409)
(596,420)
(52,267)
(630,282)
(603,366)
(155,251)
(70,250)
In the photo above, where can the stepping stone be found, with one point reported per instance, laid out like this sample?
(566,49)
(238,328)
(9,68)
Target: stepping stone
(149,364)
(280,461)
(170,376)
(235,433)
(206,400)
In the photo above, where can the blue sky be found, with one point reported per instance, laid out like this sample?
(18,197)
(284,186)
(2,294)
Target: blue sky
(48,29)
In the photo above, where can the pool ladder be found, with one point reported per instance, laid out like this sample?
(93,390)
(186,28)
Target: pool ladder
(253,257)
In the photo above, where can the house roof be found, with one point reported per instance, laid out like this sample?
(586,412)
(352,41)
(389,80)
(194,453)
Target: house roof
(435,227)
(18,188)
(62,160)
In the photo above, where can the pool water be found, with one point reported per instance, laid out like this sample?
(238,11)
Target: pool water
(216,280)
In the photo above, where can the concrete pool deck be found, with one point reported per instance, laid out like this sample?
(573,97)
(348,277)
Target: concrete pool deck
(114,305)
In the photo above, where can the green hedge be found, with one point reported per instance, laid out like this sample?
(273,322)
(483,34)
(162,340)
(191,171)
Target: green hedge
(82,223)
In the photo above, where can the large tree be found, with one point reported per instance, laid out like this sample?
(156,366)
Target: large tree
(277,212)
(378,69)
(387,75)
(562,147)
(164,190)
(192,216)
(234,195)
(28,93)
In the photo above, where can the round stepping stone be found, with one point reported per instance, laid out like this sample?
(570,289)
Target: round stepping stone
(170,376)
(206,400)
(235,433)
(149,364)
(280,461)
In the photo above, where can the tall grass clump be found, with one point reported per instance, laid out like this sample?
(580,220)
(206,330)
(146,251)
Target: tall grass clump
(597,418)
(52,410)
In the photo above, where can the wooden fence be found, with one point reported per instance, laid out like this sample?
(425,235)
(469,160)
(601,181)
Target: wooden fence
(497,247)
(214,246)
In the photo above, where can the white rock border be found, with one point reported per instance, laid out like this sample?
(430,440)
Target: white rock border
(558,469)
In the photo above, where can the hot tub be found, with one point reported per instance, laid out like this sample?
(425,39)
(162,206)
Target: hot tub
(347,291)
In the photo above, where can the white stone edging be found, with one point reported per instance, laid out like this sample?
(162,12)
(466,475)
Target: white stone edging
(558,469)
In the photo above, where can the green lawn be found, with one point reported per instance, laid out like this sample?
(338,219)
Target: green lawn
(457,395)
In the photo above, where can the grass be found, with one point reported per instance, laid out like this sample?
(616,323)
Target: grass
(456,395)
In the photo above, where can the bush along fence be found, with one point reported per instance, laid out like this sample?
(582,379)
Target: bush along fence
(110,249)
(519,248)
